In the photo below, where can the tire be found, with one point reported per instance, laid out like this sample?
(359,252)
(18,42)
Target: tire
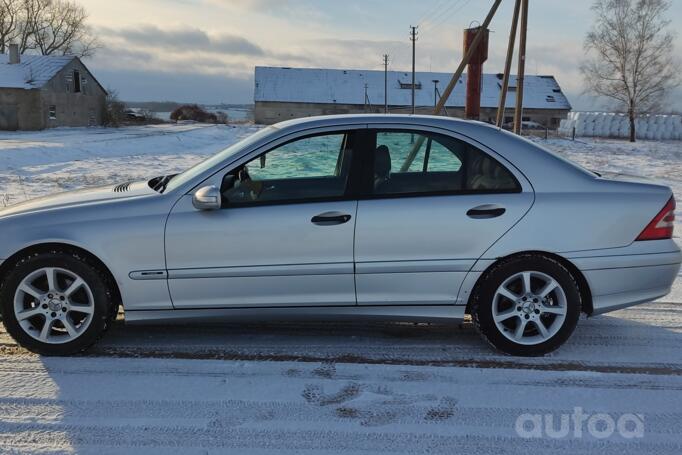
(86,305)
(512,321)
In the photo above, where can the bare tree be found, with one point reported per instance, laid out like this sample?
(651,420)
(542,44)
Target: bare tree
(630,55)
(10,16)
(47,26)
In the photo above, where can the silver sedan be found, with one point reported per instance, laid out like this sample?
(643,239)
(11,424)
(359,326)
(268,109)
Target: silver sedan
(394,217)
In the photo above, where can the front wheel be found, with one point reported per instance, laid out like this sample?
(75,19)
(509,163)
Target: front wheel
(55,303)
(528,305)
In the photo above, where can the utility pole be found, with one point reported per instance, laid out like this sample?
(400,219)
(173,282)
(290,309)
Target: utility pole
(518,118)
(507,65)
(385,83)
(366,98)
(435,92)
(413,38)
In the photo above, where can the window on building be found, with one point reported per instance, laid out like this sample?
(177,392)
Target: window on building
(76,81)
(52,112)
(408,85)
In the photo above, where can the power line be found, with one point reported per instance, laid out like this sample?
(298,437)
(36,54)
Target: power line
(446,16)
(442,13)
(433,12)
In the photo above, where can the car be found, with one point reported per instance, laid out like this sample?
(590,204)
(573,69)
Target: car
(395,217)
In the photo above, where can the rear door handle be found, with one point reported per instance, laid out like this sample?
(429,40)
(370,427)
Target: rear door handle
(330,218)
(486,211)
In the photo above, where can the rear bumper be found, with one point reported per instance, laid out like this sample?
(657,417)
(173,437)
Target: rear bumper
(619,281)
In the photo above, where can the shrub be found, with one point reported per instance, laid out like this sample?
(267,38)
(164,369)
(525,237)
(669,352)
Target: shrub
(193,112)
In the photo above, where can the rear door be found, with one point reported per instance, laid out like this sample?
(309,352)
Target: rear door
(434,203)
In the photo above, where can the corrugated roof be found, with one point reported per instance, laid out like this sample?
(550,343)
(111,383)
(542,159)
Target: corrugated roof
(34,71)
(308,85)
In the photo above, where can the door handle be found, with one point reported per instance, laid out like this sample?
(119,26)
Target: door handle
(330,218)
(486,211)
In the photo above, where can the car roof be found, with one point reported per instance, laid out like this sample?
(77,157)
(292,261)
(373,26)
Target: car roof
(354,119)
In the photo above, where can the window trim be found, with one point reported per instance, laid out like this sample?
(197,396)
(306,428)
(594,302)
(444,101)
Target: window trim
(368,162)
(359,171)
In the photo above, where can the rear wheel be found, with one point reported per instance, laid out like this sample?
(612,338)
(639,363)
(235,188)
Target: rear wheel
(528,305)
(55,303)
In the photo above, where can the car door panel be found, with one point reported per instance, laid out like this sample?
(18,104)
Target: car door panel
(433,236)
(266,255)
(283,237)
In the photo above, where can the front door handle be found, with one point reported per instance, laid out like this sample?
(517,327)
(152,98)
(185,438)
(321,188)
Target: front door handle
(486,211)
(330,218)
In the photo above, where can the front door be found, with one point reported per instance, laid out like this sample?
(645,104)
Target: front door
(283,238)
(434,206)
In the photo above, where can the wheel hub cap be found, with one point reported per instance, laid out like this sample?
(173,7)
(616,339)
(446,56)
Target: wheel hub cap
(54,305)
(528,307)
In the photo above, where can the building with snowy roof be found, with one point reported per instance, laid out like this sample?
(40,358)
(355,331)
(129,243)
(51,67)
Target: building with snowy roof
(46,91)
(285,93)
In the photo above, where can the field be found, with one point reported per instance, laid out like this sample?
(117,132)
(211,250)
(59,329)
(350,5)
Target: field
(324,388)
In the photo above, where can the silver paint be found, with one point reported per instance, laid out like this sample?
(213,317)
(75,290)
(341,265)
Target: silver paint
(174,262)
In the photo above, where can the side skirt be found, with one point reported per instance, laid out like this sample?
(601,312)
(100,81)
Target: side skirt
(421,313)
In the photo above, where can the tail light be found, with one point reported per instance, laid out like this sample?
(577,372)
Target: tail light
(661,227)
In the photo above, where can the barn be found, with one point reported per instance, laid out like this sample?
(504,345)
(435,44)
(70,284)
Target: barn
(47,91)
(285,93)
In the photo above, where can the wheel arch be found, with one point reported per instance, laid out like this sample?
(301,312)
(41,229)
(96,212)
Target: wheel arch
(50,247)
(583,285)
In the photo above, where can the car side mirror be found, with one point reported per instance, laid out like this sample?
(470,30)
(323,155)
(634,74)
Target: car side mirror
(207,198)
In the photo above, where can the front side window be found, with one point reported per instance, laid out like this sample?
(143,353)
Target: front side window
(411,163)
(307,169)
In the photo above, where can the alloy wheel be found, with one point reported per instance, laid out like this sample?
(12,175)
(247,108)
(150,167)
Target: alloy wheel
(54,305)
(529,307)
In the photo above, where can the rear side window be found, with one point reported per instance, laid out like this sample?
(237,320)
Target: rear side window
(413,163)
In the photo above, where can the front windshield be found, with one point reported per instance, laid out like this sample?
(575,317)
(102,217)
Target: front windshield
(216,159)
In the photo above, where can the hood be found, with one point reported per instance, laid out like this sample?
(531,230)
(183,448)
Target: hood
(79,197)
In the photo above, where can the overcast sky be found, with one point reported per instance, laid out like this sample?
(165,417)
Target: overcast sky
(205,50)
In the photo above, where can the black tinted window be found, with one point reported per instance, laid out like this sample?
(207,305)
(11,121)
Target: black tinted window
(411,163)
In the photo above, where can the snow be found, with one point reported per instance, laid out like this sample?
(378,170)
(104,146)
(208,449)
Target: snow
(363,387)
(40,163)
(310,85)
(357,388)
(33,71)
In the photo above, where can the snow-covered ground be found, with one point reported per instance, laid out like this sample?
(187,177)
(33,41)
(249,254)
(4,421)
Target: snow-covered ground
(329,388)
(34,164)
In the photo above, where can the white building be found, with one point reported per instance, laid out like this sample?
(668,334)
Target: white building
(285,93)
